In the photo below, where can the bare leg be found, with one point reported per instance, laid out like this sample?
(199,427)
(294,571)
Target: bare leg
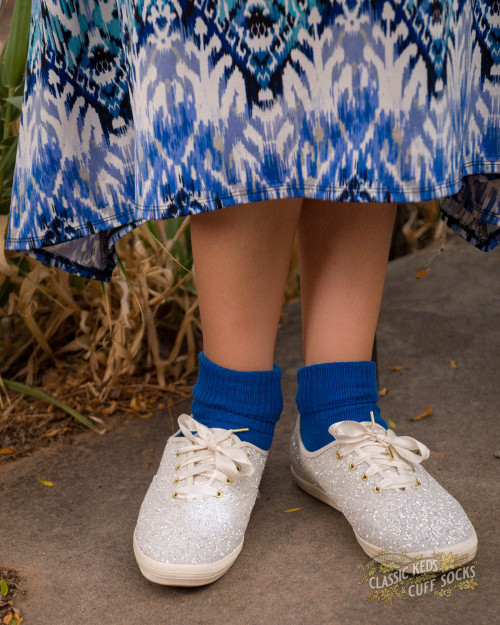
(241,260)
(343,252)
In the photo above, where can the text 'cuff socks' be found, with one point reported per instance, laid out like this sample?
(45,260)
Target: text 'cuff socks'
(225,398)
(335,391)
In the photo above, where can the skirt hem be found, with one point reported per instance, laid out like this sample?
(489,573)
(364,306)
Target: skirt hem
(131,218)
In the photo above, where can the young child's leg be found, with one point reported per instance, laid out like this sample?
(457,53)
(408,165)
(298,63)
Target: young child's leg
(343,252)
(241,261)
(343,453)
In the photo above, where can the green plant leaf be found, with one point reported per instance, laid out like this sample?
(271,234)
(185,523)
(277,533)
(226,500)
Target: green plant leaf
(121,267)
(15,52)
(8,141)
(8,161)
(18,387)
(16,101)
(22,262)
(5,206)
(4,589)
(20,89)
(77,282)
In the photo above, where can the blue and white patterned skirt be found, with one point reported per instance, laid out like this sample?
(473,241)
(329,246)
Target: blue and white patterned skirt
(151,109)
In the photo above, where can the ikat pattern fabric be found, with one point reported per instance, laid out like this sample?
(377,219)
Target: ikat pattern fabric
(152,109)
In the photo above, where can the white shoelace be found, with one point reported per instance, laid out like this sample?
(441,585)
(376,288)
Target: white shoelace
(382,450)
(212,455)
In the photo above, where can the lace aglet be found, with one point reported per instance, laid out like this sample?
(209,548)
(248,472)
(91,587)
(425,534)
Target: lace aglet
(372,418)
(241,430)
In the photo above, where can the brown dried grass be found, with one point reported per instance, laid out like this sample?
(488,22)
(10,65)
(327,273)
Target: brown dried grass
(144,322)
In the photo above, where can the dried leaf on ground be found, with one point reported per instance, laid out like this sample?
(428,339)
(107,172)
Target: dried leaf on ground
(383,392)
(399,368)
(427,413)
(108,410)
(293,509)
(13,582)
(144,415)
(453,364)
(56,431)
(421,273)
(12,619)
(45,482)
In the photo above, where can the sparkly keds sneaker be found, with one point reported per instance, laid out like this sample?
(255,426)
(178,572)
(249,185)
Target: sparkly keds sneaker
(193,519)
(400,515)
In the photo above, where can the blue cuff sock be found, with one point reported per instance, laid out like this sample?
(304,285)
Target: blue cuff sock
(225,398)
(332,392)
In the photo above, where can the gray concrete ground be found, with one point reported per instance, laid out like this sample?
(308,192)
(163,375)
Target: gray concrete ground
(73,542)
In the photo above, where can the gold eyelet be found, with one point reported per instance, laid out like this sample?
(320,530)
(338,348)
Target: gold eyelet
(177,453)
(176,480)
(352,466)
(174,494)
(339,457)
(364,477)
(419,483)
(377,488)
(248,455)
(219,494)
(238,468)
(229,481)
(177,467)
(412,469)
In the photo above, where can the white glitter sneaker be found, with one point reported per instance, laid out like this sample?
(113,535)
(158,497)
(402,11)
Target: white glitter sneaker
(400,515)
(193,519)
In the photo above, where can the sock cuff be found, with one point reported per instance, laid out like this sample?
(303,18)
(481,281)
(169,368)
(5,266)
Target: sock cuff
(336,384)
(255,394)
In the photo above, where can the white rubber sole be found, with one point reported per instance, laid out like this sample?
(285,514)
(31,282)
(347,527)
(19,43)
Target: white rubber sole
(183,574)
(412,562)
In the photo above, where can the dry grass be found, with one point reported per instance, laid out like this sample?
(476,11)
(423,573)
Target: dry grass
(143,325)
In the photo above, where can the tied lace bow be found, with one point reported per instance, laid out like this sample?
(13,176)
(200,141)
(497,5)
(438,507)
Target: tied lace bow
(211,455)
(382,450)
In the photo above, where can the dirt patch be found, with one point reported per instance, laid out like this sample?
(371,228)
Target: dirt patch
(27,423)
(11,587)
